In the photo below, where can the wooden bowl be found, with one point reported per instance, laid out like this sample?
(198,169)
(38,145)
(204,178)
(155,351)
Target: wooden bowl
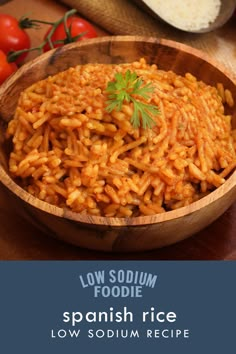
(117,234)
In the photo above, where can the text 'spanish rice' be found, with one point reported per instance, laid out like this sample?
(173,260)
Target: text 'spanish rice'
(70,152)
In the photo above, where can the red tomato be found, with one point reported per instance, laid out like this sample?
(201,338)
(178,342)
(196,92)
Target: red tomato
(6,69)
(78,26)
(12,37)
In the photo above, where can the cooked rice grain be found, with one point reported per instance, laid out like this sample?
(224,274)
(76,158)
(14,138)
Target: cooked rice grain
(68,151)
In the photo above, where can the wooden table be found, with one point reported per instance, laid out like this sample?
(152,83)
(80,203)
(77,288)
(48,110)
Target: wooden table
(22,241)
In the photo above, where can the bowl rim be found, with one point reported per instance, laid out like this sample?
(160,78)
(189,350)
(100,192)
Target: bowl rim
(88,219)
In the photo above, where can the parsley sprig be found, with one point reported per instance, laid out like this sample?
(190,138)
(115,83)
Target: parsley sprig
(126,88)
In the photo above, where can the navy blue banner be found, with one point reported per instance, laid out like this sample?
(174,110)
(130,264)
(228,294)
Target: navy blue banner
(119,307)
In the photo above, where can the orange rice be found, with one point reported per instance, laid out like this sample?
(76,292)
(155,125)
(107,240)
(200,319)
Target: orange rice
(70,152)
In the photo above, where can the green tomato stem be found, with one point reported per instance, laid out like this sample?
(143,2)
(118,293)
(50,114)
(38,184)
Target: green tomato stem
(12,56)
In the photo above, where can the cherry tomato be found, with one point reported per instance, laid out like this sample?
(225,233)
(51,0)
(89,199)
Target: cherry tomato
(6,69)
(77,25)
(12,37)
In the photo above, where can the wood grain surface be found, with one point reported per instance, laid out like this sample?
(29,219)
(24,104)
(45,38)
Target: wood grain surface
(120,17)
(21,240)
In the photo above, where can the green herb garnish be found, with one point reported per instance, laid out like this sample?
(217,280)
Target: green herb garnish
(123,90)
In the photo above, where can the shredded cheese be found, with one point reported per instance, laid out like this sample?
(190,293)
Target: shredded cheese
(189,15)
